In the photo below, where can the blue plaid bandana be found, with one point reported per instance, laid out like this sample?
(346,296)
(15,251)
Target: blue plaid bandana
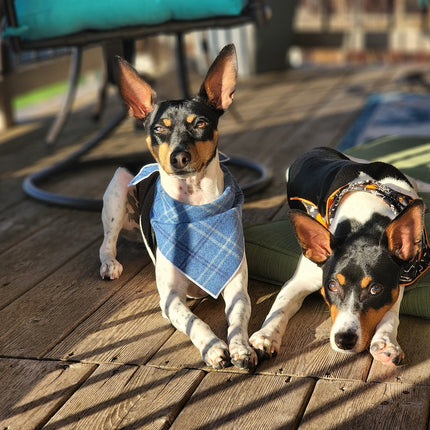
(204,242)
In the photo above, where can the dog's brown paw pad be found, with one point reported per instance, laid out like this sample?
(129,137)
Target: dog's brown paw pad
(265,346)
(387,352)
(217,356)
(244,357)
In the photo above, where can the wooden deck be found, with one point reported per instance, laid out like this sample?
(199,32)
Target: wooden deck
(78,352)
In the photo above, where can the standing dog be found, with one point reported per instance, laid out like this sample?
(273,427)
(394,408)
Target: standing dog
(361,229)
(188,207)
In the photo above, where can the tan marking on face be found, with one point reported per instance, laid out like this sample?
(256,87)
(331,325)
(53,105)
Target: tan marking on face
(190,118)
(365,281)
(333,312)
(341,279)
(167,122)
(201,152)
(161,153)
(370,319)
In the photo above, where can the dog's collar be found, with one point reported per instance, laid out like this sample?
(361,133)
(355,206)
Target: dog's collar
(204,242)
(394,199)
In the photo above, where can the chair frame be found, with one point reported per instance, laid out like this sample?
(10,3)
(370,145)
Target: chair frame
(257,11)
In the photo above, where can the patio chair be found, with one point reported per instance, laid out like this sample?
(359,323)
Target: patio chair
(115,24)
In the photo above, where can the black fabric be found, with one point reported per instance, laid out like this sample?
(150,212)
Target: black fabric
(320,172)
(145,194)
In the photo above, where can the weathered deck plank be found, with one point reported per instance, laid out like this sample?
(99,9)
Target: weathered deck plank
(354,404)
(44,252)
(32,391)
(127,397)
(23,220)
(35,322)
(128,328)
(238,401)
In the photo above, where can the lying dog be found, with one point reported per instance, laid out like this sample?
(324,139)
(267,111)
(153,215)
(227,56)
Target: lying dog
(188,207)
(361,229)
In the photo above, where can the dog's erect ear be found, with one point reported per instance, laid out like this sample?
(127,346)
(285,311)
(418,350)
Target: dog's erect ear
(313,237)
(136,93)
(404,233)
(218,87)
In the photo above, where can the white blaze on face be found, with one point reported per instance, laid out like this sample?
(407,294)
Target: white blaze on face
(347,321)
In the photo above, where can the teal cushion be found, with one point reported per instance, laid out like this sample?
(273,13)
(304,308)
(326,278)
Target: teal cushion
(39,19)
(272,250)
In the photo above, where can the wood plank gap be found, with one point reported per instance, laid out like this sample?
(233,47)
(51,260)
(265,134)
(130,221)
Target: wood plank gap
(33,390)
(67,398)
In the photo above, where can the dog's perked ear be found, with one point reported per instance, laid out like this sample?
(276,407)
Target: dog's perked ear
(313,237)
(218,87)
(136,93)
(405,232)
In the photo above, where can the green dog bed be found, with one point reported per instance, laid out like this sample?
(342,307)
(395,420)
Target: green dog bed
(272,249)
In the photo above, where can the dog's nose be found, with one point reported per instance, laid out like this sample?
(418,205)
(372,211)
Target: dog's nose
(180,159)
(346,340)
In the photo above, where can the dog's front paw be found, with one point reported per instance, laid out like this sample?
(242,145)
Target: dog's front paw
(217,356)
(266,345)
(386,351)
(110,269)
(243,356)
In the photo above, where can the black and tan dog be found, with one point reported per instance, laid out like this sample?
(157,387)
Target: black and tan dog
(193,228)
(361,228)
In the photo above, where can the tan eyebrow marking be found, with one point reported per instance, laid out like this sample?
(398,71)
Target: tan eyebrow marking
(167,122)
(190,118)
(341,278)
(365,281)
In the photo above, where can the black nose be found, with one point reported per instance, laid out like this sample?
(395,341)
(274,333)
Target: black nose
(345,340)
(180,159)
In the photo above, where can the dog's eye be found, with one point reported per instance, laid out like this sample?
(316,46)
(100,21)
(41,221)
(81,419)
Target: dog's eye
(201,124)
(332,286)
(375,289)
(158,129)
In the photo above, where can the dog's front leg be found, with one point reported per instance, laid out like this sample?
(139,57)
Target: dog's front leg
(384,346)
(238,312)
(306,280)
(115,202)
(172,287)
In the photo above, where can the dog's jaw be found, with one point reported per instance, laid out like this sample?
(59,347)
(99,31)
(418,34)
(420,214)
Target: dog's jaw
(195,189)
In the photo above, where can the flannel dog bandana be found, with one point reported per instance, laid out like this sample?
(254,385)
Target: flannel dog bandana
(204,242)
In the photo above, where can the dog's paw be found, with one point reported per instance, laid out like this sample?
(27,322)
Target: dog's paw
(217,356)
(265,345)
(243,357)
(111,269)
(386,351)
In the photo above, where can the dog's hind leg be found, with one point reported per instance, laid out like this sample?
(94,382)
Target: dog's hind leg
(115,201)
(306,280)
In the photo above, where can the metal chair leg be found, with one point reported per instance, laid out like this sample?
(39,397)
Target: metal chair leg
(61,118)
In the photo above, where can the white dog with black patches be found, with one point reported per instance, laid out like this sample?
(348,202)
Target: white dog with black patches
(361,229)
(188,207)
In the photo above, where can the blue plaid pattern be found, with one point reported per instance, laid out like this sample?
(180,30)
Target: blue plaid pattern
(204,242)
